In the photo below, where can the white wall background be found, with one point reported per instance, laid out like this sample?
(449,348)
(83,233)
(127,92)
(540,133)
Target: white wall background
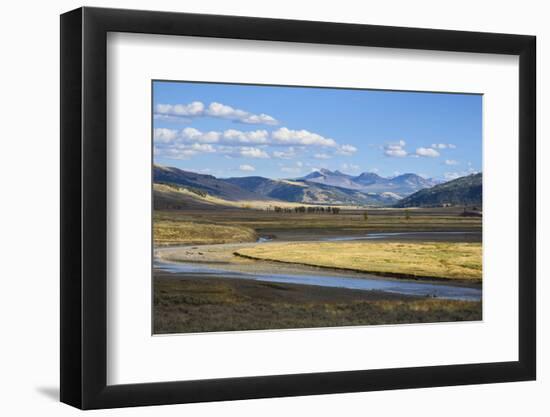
(29,296)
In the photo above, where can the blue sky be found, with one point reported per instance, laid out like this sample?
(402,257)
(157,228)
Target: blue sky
(285,132)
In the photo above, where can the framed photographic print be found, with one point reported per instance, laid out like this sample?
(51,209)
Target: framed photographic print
(257,208)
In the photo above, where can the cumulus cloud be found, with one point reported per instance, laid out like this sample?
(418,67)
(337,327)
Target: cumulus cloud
(451,162)
(427,152)
(285,136)
(288,154)
(443,146)
(202,147)
(255,137)
(350,167)
(395,149)
(214,109)
(162,135)
(346,150)
(190,134)
(183,151)
(293,169)
(236,137)
(247,168)
(282,143)
(196,108)
(251,152)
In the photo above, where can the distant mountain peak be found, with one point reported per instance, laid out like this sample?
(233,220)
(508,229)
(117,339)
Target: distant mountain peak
(340,173)
(313,174)
(368,175)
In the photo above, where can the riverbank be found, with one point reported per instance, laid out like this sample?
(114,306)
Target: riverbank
(234,257)
(184,303)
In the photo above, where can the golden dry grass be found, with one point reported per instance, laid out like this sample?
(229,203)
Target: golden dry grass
(427,259)
(167,232)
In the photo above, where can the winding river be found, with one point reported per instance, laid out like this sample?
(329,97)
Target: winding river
(330,278)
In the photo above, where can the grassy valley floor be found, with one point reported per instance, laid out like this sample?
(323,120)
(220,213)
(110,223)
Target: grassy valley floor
(301,244)
(189,305)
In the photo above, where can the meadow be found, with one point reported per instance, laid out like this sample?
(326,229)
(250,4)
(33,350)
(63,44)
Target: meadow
(189,305)
(435,260)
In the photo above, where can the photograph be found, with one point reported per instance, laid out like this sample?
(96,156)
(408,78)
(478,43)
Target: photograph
(285,207)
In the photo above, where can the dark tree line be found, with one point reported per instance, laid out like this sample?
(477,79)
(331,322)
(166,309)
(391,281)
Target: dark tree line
(309,210)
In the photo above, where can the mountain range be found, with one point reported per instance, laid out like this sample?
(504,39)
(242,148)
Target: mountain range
(401,185)
(319,187)
(259,188)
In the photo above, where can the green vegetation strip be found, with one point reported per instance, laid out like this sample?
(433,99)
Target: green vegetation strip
(451,261)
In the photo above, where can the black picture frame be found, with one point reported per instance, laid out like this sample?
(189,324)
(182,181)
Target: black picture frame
(84,207)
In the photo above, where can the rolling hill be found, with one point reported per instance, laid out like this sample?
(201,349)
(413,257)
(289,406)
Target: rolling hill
(463,191)
(204,183)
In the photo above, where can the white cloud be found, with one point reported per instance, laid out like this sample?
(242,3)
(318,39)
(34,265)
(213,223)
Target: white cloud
(395,149)
(399,152)
(293,169)
(171,119)
(214,109)
(251,152)
(451,162)
(182,154)
(262,118)
(255,137)
(162,135)
(288,154)
(196,108)
(247,168)
(190,134)
(184,151)
(202,147)
(427,152)
(322,156)
(350,167)
(236,137)
(346,150)
(285,136)
(443,146)
(176,153)
(228,137)
(453,175)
